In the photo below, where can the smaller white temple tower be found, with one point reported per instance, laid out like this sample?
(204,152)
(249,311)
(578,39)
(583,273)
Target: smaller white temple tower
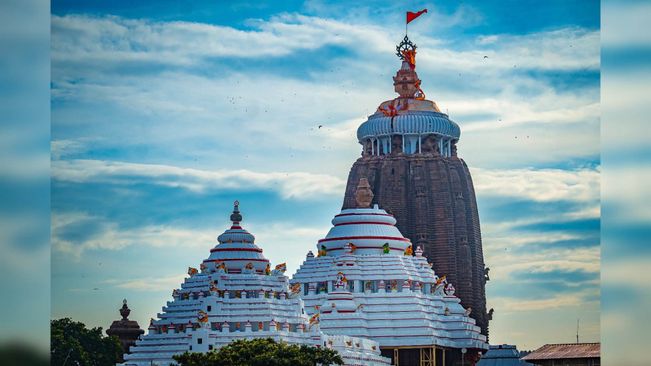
(236,295)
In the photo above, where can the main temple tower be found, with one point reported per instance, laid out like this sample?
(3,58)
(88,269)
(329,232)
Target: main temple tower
(410,159)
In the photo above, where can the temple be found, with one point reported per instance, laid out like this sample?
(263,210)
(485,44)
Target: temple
(409,157)
(367,281)
(381,289)
(127,331)
(236,295)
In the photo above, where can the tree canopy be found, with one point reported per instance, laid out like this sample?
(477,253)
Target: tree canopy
(72,344)
(262,352)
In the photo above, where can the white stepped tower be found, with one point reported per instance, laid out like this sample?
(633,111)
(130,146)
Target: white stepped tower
(235,295)
(366,282)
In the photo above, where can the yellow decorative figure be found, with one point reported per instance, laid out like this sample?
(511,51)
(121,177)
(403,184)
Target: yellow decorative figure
(410,57)
(323,251)
(440,280)
(222,267)
(409,250)
(314,319)
(202,316)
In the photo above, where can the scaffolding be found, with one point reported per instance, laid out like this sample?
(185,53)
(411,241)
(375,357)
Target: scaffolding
(427,356)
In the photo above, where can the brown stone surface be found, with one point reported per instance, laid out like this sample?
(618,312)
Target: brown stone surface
(433,199)
(126,330)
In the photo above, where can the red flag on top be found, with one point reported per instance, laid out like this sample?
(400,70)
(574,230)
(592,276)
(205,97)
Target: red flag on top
(411,16)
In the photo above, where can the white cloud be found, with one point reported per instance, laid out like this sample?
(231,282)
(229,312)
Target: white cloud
(149,284)
(109,236)
(504,263)
(541,185)
(281,242)
(562,49)
(275,114)
(113,39)
(296,185)
(507,305)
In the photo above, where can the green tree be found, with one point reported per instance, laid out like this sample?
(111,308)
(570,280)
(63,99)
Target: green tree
(262,352)
(72,344)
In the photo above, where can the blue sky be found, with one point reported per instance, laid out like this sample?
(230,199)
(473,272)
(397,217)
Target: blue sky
(165,112)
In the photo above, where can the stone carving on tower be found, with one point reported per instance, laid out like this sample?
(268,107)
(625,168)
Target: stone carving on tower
(363,193)
(409,161)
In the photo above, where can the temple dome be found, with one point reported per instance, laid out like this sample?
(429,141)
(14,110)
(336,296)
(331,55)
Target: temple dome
(236,249)
(369,230)
(409,123)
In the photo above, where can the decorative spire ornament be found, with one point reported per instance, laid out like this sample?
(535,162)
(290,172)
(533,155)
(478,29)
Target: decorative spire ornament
(125,311)
(236,217)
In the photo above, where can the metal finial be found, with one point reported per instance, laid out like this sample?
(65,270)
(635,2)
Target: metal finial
(124,310)
(405,45)
(236,217)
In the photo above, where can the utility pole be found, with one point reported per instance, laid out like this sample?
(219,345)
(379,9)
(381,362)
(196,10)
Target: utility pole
(577,330)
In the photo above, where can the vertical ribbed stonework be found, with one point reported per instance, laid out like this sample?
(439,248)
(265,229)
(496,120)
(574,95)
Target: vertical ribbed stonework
(433,200)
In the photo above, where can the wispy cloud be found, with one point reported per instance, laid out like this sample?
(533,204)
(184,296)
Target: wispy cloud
(556,302)
(181,95)
(297,185)
(157,283)
(280,241)
(538,184)
(107,235)
(93,39)
(113,39)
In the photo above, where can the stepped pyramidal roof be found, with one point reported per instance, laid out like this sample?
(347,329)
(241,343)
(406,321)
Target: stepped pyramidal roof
(236,295)
(367,281)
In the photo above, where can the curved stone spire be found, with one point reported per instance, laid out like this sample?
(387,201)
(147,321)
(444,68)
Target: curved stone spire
(409,154)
